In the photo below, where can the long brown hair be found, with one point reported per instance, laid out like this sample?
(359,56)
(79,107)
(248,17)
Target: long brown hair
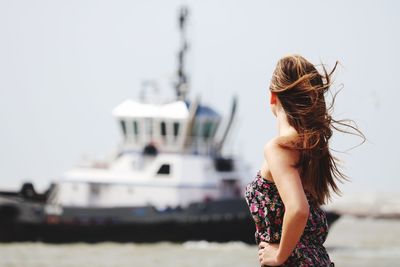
(301,90)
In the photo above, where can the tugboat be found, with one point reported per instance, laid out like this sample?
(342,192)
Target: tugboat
(168,181)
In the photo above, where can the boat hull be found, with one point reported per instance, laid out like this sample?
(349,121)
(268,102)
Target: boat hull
(214,221)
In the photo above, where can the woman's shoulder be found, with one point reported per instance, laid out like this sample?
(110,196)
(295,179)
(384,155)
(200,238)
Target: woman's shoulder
(288,140)
(279,146)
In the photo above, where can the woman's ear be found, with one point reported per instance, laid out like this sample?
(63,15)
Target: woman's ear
(273,98)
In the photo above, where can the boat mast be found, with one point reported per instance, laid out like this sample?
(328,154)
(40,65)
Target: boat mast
(182,85)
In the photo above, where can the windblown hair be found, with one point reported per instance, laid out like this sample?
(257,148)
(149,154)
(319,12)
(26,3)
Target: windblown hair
(301,90)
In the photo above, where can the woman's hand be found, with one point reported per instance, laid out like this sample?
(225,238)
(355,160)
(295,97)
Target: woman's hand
(268,254)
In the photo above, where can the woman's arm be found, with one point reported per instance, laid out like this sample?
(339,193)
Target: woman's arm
(288,182)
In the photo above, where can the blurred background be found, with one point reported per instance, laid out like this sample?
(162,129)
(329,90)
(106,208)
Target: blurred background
(65,65)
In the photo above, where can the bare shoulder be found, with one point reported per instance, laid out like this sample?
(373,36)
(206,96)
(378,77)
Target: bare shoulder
(271,144)
(276,149)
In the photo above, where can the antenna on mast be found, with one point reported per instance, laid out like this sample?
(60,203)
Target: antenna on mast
(182,85)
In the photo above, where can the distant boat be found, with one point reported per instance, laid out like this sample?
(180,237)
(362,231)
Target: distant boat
(168,181)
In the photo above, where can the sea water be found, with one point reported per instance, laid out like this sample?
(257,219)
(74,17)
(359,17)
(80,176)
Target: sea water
(351,242)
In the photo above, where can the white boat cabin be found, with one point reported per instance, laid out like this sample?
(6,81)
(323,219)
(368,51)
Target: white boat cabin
(167,127)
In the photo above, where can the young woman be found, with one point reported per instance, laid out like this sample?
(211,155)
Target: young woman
(299,172)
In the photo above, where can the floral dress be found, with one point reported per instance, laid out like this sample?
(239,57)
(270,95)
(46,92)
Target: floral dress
(267,210)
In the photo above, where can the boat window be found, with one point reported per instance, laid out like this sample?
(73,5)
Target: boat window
(149,126)
(123,127)
(214,128)
(195,128)
(164,169)
(163,128)
(135,128)
(176,128)
(95,189)
(207,129)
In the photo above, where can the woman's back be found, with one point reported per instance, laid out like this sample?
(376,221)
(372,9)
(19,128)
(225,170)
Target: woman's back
(267,210)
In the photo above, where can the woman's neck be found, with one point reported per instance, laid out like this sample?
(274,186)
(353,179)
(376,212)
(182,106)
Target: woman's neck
(284,128)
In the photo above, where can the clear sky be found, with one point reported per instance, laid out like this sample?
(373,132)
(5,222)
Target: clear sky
(64,65)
